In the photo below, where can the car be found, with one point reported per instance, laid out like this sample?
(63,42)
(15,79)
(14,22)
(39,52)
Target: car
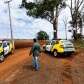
(1,52)
(5,48)
(47,47)
(59,47)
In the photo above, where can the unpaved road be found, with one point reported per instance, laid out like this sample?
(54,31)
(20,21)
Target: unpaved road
(17,69)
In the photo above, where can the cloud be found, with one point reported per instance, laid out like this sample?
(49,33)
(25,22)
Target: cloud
(25,26)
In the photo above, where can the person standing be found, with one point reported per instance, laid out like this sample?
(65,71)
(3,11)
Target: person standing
(35,51)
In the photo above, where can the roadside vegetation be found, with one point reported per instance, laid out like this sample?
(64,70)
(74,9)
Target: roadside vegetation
(50,10)
(42,35)
(79,43)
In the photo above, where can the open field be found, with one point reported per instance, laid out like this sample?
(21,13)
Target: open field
(17,68)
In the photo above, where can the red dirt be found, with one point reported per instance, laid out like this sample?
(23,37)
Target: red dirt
(17,69)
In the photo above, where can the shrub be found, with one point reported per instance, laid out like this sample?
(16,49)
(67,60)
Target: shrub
(42,35)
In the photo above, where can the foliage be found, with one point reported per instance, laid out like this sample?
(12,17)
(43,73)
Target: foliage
(43,9)
(79,43)
(76,9)
(42,35)
(77,36)
(76,19)
(48,9)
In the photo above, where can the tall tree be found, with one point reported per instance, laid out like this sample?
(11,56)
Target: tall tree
(48,9)
(65,23)
(76,9)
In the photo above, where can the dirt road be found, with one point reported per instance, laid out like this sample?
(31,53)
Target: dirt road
(17,69)
(12,63)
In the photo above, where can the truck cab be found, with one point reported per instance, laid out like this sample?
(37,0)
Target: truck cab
(1,51)
(5,48)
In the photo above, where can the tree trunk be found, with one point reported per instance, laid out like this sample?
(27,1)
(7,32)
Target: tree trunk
(55,28)
(55,23)
(81,26)
(81,30)
(75,31)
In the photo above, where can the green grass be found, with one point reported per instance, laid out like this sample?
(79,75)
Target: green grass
(79,43)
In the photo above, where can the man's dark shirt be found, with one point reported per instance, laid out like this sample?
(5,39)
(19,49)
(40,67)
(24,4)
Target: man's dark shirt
(36,49)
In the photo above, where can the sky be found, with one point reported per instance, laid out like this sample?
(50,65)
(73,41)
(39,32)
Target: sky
(26,27)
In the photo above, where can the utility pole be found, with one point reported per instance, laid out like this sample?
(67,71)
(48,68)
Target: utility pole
(11,30)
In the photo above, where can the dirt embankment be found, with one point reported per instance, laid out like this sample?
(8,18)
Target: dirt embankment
(26,43)
(23,43)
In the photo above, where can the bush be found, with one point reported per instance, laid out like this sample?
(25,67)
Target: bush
(77,37)
(42,35)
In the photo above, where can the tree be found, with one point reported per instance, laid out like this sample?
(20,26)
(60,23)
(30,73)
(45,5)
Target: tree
(76,23)
(48,9)
(42,35)
(65,22)
(76,9)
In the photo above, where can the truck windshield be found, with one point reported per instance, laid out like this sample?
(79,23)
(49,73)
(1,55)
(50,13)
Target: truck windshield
(48,43)
(67,42)
(4,45)
(53,42)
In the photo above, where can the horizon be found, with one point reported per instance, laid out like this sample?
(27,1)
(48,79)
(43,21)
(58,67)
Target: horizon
(23,24)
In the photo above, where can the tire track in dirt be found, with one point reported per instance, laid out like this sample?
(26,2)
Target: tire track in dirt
(73,71)
(56,67)
(52,71)
(78,70)
(59,76)
(77,76)
(12,63)
(66,72)
(11,77)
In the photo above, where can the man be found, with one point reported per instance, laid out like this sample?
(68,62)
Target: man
(35,51)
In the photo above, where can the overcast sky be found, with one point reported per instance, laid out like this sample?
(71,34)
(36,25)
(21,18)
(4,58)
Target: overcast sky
(25,27)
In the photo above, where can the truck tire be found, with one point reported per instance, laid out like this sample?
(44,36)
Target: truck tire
(2,58)
(55,53)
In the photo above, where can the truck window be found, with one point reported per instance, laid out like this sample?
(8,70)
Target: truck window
(48,43)
(4,45)
(57,42)
(53,42)
(0,44)
(8,43)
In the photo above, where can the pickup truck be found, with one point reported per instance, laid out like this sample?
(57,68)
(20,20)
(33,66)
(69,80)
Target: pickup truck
(59,47)
(5,48)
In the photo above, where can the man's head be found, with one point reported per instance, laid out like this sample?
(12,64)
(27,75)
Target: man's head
(35,40)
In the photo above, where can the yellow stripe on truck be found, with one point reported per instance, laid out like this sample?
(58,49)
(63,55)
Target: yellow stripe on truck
(1,49)
(58,48)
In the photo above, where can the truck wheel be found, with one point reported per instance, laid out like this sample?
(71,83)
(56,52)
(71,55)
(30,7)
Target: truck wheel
(2,58)
(55,53)
(12,51)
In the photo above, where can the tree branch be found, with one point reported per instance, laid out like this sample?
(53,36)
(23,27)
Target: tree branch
(71,8)
(80,4)
(82,8)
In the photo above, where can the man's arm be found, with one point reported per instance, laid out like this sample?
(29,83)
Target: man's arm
(31,50)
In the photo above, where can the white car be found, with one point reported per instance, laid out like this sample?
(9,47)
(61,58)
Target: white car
(6,47)
(59,47)
(49,45)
